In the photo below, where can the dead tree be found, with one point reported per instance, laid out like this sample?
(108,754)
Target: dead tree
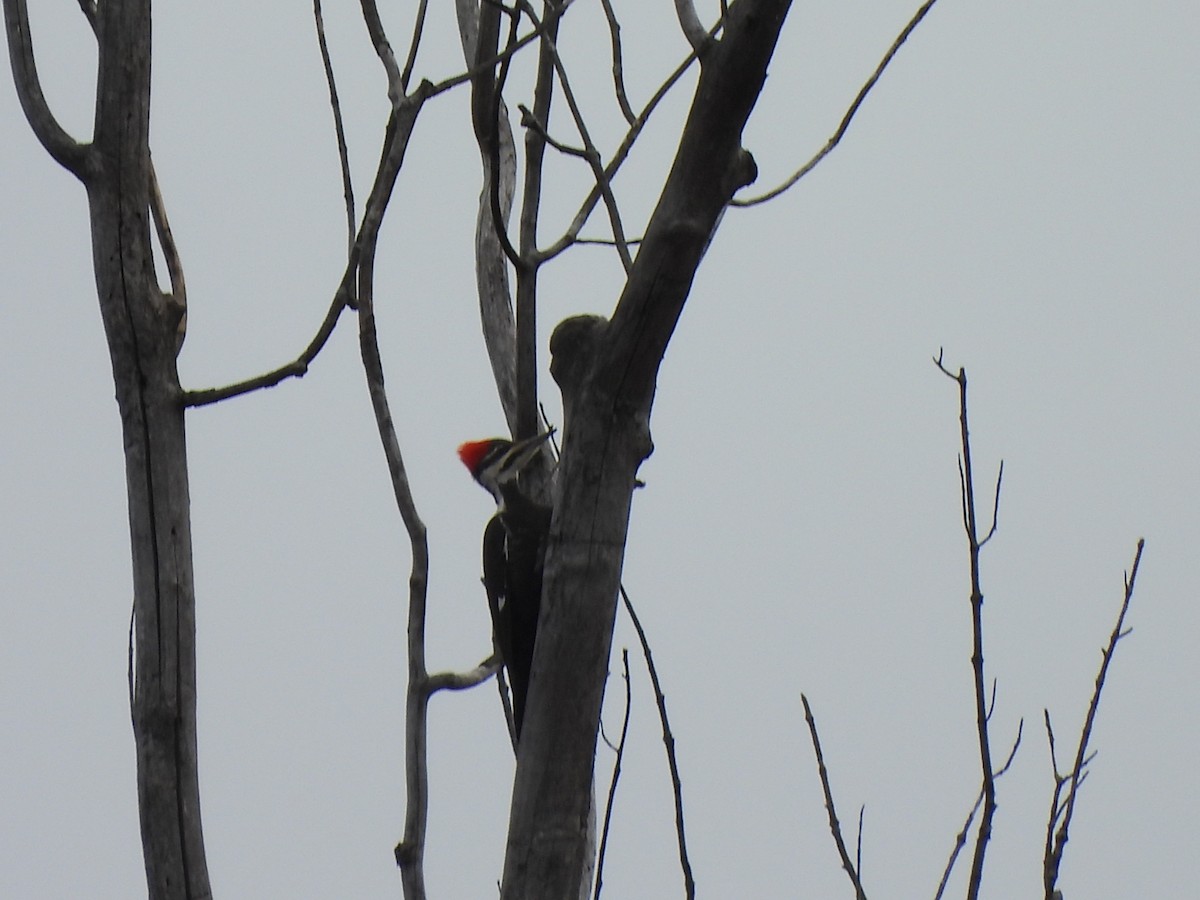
(144,327)
(606,369)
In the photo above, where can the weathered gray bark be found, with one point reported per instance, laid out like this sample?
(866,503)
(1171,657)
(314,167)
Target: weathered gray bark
(607,373)
(142,325)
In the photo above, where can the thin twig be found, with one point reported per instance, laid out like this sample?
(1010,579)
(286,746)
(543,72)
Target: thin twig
(170,252)
(961,840)
(529,120)
(571,235)
(981,711)
(616,775)
(1063,813)
(848,117)
(858,843)
(618,64)
(396,138)
(489,63)
(414,45)
(339,129)
(605,242)
(660,699)
(835,827)
(590,152)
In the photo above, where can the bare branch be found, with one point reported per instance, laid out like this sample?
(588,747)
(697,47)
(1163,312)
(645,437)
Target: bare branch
(1063,812)
(63,149)
(383,49)
(531,200)
(414,45)
(835,827)
(297,368)
(995,506)
(618,65)
(491,263)
(166,240)
(616,775)
(850,113)
(604,242)
(487,106)
(858,843)
(982,714)
(529,120)
(590,152)
(395,144)
(339,129)
(961,840)
(468,34)
(461,681)
(585,210)
(689,23)
(660,700)
(410,851)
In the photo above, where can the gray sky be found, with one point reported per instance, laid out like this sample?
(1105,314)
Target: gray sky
(1020,189)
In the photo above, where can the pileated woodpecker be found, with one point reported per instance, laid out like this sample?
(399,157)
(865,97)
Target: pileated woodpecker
(514,549)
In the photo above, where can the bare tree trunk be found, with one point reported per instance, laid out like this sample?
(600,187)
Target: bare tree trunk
(607,373)
(143,326)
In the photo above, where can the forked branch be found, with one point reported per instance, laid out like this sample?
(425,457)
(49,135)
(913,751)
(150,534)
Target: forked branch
(1062,808)
(961,840)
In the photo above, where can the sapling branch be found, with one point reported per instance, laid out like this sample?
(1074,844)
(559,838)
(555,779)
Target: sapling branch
(982,710)
(1062,808)
(835,828)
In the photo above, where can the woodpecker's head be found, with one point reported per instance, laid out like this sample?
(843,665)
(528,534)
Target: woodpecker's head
(496,462)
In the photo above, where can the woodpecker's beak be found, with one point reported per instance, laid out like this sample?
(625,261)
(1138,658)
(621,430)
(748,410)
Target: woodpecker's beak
(521,453)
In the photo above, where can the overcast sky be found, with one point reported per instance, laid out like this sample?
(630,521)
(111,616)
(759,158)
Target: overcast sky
(1021,189)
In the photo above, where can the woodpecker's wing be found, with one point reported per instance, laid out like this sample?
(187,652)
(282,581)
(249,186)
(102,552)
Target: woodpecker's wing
(495,582)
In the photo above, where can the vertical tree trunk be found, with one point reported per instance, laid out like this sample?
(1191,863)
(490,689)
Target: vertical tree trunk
(607,373)
(141,326)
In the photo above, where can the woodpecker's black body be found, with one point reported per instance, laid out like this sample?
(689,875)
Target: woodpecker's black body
(514,550)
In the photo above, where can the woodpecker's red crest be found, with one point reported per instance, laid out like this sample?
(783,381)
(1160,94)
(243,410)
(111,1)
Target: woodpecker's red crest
(474,453)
